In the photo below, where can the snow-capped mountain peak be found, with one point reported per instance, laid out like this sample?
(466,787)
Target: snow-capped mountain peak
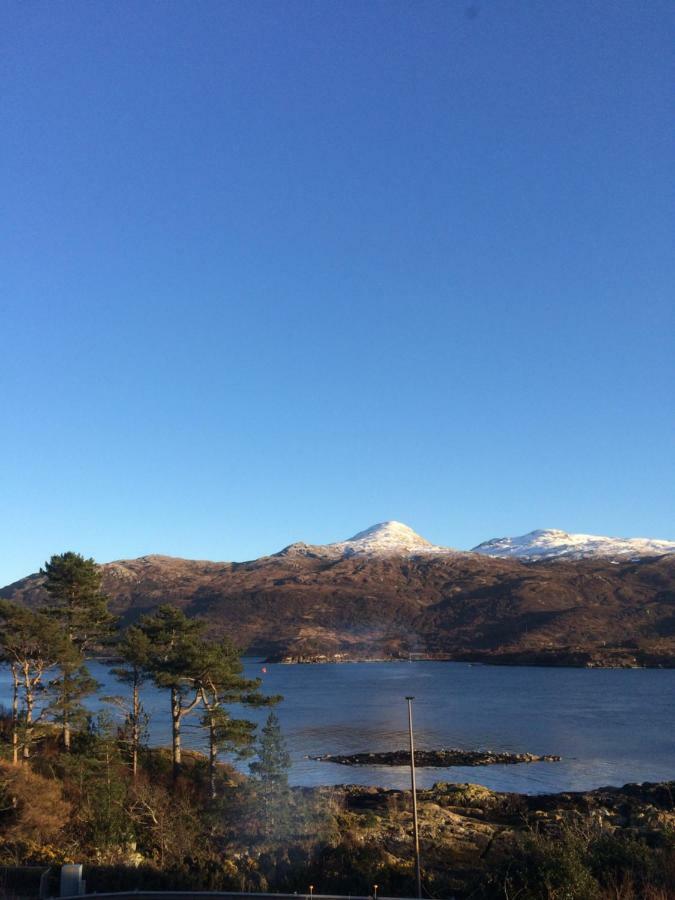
(551,543)
(394,539)
(384,539)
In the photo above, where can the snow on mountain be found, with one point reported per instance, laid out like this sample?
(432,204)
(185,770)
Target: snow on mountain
(385,539)
(396,539)
(554,544)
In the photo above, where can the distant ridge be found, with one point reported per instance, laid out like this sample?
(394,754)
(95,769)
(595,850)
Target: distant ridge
(554,544)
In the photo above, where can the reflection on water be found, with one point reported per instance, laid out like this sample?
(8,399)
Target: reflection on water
(611,726)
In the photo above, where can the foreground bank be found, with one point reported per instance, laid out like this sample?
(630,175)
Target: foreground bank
(161,831)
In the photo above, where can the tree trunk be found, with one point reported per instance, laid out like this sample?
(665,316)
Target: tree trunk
(213,754)
(30,703)
(15,714)
(66,730)
(175,729)
(135,729)
(63,701)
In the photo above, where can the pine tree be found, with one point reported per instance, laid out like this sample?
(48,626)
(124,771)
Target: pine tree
(174,663)
(222,683)
(76,599)
(134,648)
(271,771)
(77,603)
(6,658)
(68,690)
(234,737)
(32,644)
(98,779)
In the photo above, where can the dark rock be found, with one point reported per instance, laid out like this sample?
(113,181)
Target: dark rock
(435,758)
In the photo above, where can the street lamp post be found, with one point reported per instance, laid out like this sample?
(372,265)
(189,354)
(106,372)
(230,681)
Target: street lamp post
(418,869)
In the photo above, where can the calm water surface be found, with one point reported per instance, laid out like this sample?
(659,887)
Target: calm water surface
(611,726)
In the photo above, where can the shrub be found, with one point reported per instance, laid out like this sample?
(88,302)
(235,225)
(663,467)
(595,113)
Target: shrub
(543,869)
(23,820)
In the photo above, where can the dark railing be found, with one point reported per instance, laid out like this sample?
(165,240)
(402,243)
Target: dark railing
(19,882)
(222,895)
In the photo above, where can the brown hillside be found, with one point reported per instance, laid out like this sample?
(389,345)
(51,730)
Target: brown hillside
(302,604)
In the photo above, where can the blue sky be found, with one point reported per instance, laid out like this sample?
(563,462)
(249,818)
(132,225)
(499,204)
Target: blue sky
(280,270)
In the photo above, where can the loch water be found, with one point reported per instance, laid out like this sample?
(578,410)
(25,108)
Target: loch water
(611,726)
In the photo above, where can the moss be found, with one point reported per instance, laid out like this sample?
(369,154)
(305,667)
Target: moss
(463,795)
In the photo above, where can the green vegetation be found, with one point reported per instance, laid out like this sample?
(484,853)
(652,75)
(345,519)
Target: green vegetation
(134,649)
(75,787)
(196,671)
(33,645)
(581,864)
(79,607)
(271,773)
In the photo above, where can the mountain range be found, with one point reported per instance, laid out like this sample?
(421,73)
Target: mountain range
(547,597)
(396,539)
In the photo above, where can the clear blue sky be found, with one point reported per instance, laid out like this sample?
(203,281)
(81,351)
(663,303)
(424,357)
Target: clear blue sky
(280,270)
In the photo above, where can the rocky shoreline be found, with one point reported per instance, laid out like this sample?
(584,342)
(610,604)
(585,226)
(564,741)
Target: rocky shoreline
(443,758)
(564,659)
(467,831)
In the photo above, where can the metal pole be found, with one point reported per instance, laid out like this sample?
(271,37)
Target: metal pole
(418,869)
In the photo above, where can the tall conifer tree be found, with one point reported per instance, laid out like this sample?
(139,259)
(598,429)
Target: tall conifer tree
(78,604)
(174,663)
(134,649)
(221,683)
(271,770)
